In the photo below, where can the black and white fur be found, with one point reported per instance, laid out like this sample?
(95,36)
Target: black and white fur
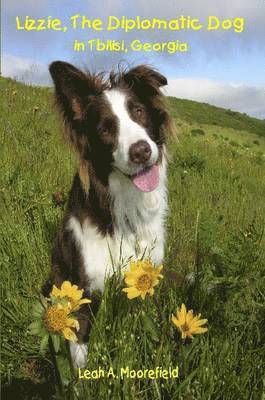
(118,126)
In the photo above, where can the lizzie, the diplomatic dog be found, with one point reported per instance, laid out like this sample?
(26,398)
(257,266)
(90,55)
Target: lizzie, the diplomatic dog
(118,200)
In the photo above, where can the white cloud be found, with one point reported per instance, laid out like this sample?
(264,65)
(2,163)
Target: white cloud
(24,70)
(238,97)
(242,98)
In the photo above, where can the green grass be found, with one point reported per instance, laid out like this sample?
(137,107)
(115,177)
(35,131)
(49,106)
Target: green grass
(215,257)
(202,113)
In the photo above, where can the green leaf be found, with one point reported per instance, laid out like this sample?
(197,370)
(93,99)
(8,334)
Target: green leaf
(35,327)
(63,365)
(44,343)
(56,342)
(44,301)
(54,300)
(64,300)
(37,310)
(150,327)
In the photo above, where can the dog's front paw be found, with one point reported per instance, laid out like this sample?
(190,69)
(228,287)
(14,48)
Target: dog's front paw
(79,354)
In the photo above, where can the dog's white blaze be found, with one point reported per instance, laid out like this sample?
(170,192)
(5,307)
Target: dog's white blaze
(129,132)
(139,227)
(139,217)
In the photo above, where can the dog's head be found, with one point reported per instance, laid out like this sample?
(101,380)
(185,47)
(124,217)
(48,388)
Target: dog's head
(119,123)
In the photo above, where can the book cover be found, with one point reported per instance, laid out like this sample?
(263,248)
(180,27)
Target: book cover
(132,199)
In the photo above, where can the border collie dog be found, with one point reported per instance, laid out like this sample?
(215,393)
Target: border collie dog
(118,200)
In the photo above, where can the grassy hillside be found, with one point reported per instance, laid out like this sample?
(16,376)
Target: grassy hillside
(202,113)
(215,257)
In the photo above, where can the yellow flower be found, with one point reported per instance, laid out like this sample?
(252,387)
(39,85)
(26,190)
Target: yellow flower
(57,321)
(72,293)
(141,279)
(187,323)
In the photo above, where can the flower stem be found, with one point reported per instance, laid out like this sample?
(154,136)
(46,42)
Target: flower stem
(160,314)
(57,372)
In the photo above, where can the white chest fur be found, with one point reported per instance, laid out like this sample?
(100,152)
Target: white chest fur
(138,229)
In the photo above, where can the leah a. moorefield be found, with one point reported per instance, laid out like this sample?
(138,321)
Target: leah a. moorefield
(128,373)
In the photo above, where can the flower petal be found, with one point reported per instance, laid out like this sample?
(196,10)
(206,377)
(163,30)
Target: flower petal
(66,285)
(143,294)
(55,291)
(133,266)
(132,292)
(183,335)
(85,301)
(196,317)
(175,321)
(199,322)
(77,293)
(72,323)
(69,334)
(155,282)
(190,316)
(199,330)
(130,279)
(183,309)
(181,315)
(151,292)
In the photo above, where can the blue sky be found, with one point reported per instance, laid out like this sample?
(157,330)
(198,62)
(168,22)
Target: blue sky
(223,68)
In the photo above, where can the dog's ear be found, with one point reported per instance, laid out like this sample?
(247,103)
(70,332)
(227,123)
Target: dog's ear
(72,87)
(145,79)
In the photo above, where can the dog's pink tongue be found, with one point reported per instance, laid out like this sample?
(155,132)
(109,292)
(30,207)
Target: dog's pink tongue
(147,180)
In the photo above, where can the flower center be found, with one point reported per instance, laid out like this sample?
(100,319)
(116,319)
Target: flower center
(144,282)
(185,327)
(55,319)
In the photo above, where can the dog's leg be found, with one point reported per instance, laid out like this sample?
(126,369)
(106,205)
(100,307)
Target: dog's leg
(78,354)
(85,318)
(79,350)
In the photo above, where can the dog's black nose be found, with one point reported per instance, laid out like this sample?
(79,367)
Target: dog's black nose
(140,152)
